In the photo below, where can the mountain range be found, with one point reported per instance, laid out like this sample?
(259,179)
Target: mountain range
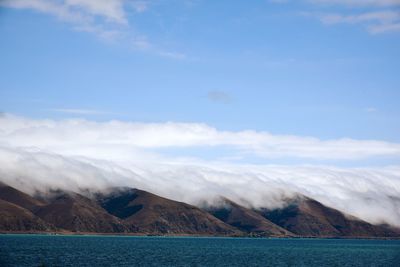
(133,211)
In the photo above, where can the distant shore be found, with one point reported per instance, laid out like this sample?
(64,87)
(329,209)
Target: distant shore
(67,233)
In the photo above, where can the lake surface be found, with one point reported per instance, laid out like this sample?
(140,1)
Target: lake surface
(47,250)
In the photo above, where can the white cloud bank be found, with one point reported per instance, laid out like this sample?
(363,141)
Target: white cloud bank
(80,154)
(123,140)
(77,111)
(370,194)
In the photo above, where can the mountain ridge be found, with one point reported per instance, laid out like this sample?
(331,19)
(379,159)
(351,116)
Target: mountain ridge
(308,217)
(245,219)
(134,211)
(151,213)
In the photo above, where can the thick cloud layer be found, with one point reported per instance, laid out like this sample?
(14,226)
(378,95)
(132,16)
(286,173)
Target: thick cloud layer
(78,155)
(122,140)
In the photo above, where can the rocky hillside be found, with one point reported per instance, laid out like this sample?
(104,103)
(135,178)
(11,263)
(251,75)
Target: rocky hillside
(245,219)
(133,211)
(307,217)
(153,214)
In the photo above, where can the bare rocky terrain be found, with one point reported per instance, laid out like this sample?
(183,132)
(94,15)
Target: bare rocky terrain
(134,211)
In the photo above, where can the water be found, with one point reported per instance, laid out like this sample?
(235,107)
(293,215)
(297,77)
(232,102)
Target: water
(38,250)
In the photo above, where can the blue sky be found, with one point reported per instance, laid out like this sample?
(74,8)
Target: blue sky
(190,99)
(325,69)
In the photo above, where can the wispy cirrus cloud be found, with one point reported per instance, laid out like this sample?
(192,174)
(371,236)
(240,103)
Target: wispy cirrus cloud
(106,19)
(140,5)
(376,16)
(352,3)
(371,109)
(74,10)
(375,22)
(76,111)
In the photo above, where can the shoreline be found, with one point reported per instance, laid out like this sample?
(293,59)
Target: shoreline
(66,233)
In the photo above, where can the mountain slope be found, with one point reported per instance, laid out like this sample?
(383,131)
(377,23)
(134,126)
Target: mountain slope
(245,219)
(19,198)
(308,217)
(16,218)
(126,210)
(157,215)
(77,213)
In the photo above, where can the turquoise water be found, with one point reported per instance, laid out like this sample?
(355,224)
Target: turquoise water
(36,250)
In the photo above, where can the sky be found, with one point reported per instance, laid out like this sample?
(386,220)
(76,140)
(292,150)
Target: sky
(327,69)
(211,95)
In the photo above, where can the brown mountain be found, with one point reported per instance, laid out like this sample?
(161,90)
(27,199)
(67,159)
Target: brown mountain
(307,217)
(74,212)
(16,211)
(157,215)
(245,219)
(15,218)
(19,198)
(135,211)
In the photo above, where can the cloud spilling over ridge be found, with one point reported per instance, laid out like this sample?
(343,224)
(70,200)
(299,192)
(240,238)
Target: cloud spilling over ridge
(80,154)
(371,194)
(119,140)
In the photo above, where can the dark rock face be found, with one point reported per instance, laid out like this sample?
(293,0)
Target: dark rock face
(245,219)
(157,215)
(307,217)
(119,203)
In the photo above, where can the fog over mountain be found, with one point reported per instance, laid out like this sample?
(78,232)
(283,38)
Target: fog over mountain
(38,155)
